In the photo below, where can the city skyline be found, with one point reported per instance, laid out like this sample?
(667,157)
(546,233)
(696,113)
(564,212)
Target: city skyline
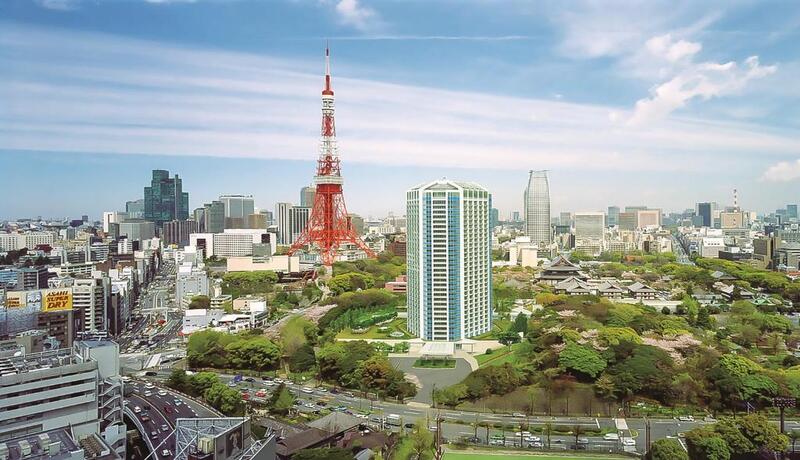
(669,103)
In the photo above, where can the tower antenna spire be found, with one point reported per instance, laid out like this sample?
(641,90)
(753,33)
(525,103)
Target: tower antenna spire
(328,89)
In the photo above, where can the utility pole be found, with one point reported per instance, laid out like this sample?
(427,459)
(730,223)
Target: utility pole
(437,455)
(646,434)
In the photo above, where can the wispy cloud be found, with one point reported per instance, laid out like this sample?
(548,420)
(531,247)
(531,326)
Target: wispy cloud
(783,171)
(477,38)
(354,14)
(702,81)
(58,5)
(87,92)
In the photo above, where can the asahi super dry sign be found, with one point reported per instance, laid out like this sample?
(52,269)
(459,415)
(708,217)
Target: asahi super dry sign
(56,299)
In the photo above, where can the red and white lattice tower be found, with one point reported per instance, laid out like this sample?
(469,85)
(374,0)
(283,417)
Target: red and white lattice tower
(328,226)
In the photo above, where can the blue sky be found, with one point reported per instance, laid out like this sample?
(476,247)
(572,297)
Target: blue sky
(656,103)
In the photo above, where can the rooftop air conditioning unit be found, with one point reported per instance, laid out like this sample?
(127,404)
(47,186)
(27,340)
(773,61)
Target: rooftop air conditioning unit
(24,448)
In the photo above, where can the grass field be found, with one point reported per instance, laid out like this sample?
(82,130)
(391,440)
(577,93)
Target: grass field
(398,324)
(477,455)
(499,356)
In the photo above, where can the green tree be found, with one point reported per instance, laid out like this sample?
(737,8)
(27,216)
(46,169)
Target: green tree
(303,359)
(520,324)
(178,380)
(705,445)
(200,382)
(421,440)
(667,449)
(200,301)
(281,400)
(584,361)
(224,399)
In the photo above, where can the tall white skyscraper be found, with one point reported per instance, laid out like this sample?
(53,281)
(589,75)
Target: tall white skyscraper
(284,225)
(449,255)
(537,209)
(298,219)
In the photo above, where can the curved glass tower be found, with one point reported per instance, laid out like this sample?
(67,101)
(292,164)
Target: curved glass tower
(537,209)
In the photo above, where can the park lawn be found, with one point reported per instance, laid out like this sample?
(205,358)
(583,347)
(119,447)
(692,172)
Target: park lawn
(293,330)
(498,356)
(397,324)
(481,454)
(498,326)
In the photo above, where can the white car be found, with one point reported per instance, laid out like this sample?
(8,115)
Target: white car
(628,442)
(533,439)
(149,386)
(137,410)
(686,418)
(148,393)
(611,437)
(162,393)
(307,390)
(524,434)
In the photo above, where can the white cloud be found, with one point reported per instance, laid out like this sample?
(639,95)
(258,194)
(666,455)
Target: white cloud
(783,171)
(702,81)
(353,14)
(58,5)
(664,46)
(87,92)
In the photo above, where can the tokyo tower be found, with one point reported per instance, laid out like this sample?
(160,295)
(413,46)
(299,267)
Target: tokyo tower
(328,226)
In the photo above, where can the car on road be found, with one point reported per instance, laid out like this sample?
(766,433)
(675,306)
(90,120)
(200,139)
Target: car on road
(522,434)
(611,437)
(249,379)
(166,453)
(530,439)
(150,386)
(686,418)
(518,414)
(497,442)
(410,426)
(137,410)
(165,427)
(307,390)
(162,392)
(536,445)
(154,434)
(583,441)
(628,442)
(232,384)
(148,393)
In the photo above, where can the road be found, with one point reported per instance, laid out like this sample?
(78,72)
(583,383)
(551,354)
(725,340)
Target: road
(163,408)
(680,254)
(460,424)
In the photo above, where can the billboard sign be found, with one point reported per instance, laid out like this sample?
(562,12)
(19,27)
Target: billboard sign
(15,299)
(34,299)
(57,299)
(234,441)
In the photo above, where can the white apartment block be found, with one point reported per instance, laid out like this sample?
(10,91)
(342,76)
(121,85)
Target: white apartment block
(449,260)
(191,281)
(16,241)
